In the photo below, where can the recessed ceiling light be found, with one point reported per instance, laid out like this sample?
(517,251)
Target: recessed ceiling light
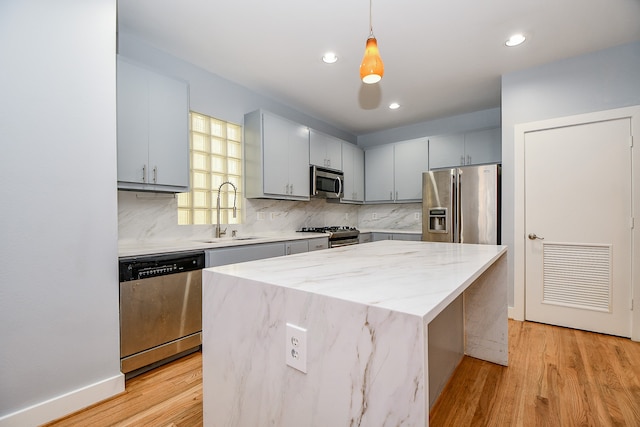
(394,106)
(515,40)
(329,57)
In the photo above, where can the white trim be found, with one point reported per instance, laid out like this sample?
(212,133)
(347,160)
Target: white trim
(64,404)
(518,310)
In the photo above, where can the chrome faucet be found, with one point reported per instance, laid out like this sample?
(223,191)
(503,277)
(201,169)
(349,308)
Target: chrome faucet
(235,195)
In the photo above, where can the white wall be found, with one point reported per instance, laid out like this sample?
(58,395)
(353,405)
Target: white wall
(213,95)
(482,119)
(598,81)
(59,348)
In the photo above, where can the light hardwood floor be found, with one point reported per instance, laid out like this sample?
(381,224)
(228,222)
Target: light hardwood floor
(168,396)
(556,377)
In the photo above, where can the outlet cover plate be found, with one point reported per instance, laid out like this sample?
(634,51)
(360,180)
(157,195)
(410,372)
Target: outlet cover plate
(296,347)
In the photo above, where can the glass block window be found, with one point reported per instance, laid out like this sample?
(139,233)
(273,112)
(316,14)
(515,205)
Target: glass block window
(216,157)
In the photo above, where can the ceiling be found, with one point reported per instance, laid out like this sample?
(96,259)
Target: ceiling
(441,58)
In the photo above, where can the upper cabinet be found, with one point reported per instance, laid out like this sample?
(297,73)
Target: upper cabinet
(324,150)
(353,168)
(153,130)
(483,146)
(410,159)
(393,172)
(276,157)
(471,148)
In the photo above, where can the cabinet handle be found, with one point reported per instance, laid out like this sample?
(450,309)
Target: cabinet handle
(390,195)
(289,250)
(155,174)
(144,173)
(328,162)
(396,195)
(291,189)
(462,160)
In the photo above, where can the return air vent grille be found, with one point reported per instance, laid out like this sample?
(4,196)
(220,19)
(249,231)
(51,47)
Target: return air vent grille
(577,276)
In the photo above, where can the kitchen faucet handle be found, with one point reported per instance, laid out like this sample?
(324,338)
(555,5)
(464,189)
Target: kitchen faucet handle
(223,232)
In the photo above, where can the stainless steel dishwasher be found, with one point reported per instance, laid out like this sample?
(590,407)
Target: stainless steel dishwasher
(160,309)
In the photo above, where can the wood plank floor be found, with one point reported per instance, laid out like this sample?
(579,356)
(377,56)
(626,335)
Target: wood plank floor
(168,396)
(556,377)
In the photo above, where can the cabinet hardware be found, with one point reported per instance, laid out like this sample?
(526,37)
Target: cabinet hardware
(144,173)
(155,174)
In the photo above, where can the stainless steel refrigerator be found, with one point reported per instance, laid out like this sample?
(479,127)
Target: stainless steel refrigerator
(462,205)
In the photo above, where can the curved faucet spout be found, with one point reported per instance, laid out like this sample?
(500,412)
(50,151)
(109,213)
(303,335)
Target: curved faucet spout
(235,195)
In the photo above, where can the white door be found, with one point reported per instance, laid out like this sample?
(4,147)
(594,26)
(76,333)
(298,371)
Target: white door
(578,224)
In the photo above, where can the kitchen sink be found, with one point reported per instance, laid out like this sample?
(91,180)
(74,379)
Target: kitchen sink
(227,239)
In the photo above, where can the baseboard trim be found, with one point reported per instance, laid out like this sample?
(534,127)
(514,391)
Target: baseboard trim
(65,404)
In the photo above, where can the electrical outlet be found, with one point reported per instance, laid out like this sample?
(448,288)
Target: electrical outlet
(346,216)
(374,216)
(416,215)
(260,216)
(296,347)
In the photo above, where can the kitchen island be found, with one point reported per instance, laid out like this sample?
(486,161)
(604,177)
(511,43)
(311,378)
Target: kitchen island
(367,311)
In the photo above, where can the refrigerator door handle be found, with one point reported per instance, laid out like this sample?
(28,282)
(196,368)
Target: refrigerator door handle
(455,200)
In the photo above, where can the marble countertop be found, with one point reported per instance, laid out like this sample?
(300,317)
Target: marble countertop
(419,278)
(388,230)
(140,248)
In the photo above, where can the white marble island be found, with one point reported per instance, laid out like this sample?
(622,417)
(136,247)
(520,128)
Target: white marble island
(366,309)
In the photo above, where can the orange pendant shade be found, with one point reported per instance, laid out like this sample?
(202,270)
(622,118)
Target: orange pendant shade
(372,68)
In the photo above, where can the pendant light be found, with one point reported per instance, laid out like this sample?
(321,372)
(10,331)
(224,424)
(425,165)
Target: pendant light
(372,68)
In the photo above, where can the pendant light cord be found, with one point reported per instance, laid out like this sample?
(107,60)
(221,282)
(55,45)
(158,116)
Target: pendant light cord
(370,19)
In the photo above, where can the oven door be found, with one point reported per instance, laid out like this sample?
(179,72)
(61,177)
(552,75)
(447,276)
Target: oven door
(326,183)
(336,243)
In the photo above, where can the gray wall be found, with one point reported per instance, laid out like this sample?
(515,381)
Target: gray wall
(598,81)
(489,118)
(213,95)
(58,222)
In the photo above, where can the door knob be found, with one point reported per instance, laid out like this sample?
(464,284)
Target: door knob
(532,236)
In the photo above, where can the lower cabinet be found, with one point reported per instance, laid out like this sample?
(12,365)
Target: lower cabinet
(364,238)
(318,244)
(416,237)
(232,255)
(296,247)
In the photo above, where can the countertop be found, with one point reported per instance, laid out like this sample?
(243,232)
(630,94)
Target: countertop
(131,248)
(140,248)
(419,278)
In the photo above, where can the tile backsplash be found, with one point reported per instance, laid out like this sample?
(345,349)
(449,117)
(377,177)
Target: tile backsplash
(154,216)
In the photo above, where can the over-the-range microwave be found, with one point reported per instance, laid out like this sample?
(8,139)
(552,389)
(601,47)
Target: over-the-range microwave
(326,183)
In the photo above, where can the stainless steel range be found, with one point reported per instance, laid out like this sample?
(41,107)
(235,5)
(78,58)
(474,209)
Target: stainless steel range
(338,235)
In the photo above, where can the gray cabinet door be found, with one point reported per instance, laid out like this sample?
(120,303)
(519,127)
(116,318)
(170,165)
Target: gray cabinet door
(483,146)
(296,247)
(318,244)
(379,186)
(133,123)
(276,157)
(168,131)
(324,150)
(153,130)
(224,256)
(411,158)
(446,151)
(353,167)
(275,139)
